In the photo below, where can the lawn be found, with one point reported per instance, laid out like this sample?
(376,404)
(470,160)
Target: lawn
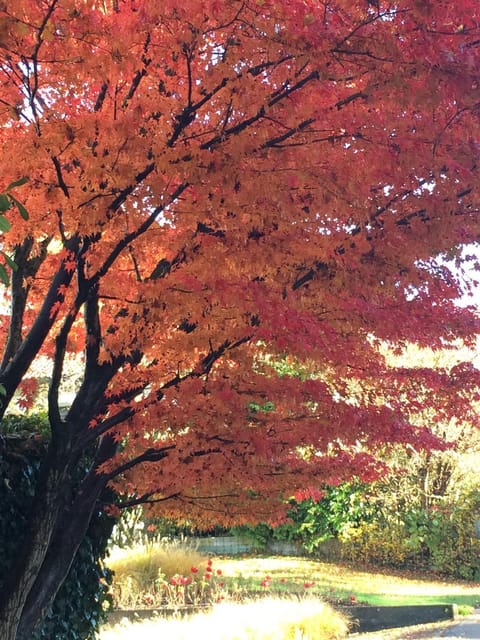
(340,582)
(156,575)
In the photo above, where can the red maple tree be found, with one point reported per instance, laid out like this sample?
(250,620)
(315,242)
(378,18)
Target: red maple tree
(232,205)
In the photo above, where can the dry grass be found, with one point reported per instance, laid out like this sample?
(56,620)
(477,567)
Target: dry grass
(142,571)
(265,619)
(145,562)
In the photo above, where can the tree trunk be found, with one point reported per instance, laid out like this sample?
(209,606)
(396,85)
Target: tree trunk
(60,515)
(70,531)
(26,567)
(24,571)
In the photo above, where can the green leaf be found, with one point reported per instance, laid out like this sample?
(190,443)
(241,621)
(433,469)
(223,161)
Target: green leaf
(5,203)
(4,224)
(10,261)
(21,208)
(4,277)
(3,391)
(17,183)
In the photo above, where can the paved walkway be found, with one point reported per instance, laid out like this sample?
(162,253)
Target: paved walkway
(466,627)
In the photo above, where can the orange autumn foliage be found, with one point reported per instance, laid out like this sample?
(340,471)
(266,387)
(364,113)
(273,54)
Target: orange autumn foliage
(219,187)
(232,205)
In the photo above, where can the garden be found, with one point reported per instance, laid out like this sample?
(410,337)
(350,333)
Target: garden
(358,546)
(175,590)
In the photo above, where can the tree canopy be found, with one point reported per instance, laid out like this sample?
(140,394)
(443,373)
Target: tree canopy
(221,194)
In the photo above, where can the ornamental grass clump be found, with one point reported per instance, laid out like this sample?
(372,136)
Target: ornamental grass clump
(263,619)
(165,575)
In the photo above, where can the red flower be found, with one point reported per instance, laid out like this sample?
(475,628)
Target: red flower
(219,572)
(194,570)
(353,598)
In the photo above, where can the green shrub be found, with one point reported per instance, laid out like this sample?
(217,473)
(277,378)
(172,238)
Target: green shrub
(79,607)
(453,547)
(313,522)
(440,539)
(380,543)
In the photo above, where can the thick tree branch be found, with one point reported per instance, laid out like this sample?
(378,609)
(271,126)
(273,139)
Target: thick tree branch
(146,499)
(18,365)
(150,455)
(27,267)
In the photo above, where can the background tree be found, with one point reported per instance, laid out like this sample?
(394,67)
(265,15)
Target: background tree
(213,186)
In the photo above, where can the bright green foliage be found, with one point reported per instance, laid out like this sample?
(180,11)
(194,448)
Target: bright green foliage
(79,607)
(313,521)
(316,521)
(7,201)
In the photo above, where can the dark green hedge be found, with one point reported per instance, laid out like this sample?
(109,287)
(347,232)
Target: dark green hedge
(79,607)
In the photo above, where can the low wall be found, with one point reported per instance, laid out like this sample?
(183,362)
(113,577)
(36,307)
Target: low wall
(367,619)
(235,545)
